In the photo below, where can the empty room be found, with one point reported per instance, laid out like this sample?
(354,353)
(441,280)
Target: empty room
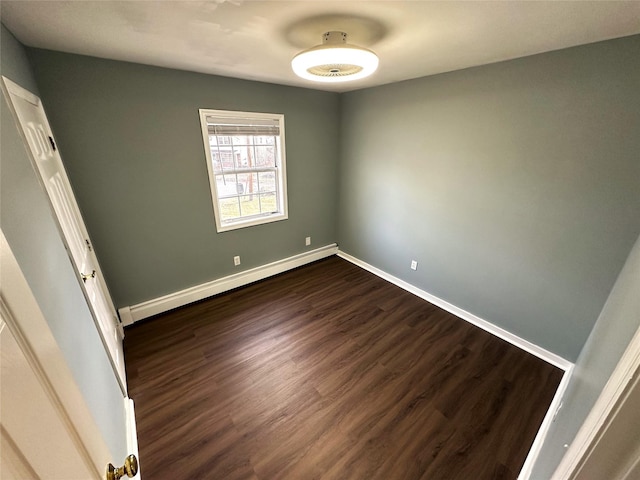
(320,240)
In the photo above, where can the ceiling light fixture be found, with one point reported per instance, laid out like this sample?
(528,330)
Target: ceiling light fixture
(335,60)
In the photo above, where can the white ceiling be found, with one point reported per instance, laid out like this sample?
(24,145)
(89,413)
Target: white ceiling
(257,39)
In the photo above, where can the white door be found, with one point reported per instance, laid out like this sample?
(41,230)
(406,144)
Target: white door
(46,429)
(44,153)
(28,415)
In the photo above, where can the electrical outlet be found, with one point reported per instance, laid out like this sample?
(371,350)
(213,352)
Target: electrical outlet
(307,241)
(236,260)
(414,265)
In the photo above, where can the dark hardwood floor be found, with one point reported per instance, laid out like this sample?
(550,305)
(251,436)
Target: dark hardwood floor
(329,372)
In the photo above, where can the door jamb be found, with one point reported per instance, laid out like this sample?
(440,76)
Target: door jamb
(603,412)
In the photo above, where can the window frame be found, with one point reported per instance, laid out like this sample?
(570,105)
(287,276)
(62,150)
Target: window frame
(280,171)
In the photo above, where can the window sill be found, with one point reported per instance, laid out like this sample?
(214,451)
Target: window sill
(250,222)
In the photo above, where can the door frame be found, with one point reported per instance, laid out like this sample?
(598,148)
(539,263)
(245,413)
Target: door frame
(603,413)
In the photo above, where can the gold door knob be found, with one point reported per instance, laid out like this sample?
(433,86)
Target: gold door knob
(130,468)
(87,276)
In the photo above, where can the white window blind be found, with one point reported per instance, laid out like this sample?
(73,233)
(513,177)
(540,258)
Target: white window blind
(247,126)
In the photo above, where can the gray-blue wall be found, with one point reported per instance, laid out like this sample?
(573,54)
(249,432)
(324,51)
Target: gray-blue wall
(616,325)
(131,140)
(28,224)
(516,186)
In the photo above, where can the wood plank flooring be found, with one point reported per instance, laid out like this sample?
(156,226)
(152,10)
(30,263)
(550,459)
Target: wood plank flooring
(329,372)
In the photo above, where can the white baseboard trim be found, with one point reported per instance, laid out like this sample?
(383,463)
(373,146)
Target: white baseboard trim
(133,313)
(536,446)
(125,316)
(519,342)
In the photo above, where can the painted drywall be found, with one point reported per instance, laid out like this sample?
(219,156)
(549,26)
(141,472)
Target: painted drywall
(28,224)
(516,186)
(616,326)
(130,137)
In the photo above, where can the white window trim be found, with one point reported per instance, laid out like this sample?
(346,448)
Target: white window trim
(283,214)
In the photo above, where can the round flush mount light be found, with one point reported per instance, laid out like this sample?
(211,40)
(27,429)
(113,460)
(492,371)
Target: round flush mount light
(335,60)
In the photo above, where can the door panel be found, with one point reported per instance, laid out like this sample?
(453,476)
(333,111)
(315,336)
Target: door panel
(33,122)
(13,464)
(37,440)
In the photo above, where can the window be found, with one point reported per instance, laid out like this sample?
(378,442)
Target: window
(246,164)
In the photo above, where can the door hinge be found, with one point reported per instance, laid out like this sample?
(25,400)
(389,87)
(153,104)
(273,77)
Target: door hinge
(53,144)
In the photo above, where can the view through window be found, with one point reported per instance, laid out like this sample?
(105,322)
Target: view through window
(246,164)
